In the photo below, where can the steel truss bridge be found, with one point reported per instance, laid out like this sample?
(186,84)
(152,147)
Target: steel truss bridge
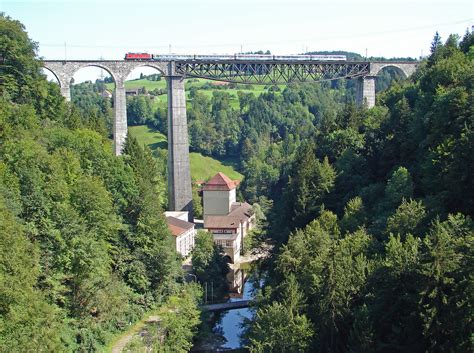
(271,72)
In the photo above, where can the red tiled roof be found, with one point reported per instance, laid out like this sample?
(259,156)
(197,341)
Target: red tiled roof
(177,226)
(220,182)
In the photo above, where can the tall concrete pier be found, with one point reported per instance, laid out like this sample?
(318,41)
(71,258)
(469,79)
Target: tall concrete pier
(365,91)
(179,175)
(120,121)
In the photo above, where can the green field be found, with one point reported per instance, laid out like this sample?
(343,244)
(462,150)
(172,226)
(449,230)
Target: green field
(195,82)
(202,167)
(133,84)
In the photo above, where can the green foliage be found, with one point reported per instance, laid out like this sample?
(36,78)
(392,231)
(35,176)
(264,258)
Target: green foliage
(209,265)
(180,321)
(407,219)
(94,109)
(307,187)
(278,329)
(446,298)
(85,248)
(21,79)
(176,324)
(197,203)
(392,273)
(139,110)
(354,215)
(399,187)
(27,321)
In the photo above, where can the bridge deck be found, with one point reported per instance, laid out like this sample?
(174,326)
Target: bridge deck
(227,306)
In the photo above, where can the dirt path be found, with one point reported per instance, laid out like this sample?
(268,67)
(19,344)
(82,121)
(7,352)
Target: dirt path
(122,342)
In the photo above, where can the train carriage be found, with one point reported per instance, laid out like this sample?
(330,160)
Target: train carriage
(241,57)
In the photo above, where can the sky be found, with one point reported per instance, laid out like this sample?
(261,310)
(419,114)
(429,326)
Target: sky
(107,29)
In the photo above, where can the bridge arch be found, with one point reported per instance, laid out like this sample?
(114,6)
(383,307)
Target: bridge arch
(228,259)
(406,69)
(138,64)
(394,68)
(46,68)
(109,70)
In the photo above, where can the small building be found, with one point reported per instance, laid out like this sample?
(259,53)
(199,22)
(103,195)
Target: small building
(228,221)
(132,91)
(182,230)
(106,94)
(218,195)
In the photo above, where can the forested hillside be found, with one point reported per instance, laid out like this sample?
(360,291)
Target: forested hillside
(373,209)
(84,247)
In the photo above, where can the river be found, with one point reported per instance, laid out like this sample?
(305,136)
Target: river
(227,325)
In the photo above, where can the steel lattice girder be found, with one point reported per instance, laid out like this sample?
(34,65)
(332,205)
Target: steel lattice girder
(255,72)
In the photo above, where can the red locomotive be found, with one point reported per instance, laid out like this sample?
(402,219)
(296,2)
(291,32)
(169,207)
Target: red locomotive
(137,56)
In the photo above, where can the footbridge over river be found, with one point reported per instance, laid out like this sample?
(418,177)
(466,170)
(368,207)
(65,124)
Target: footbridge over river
(239,71)
(227,306)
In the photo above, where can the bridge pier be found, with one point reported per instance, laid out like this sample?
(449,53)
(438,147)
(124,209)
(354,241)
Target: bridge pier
(180,196)
(120,117)
(65,88)
(365,91)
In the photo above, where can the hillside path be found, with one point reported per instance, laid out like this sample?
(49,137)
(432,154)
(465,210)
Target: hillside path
(122,342)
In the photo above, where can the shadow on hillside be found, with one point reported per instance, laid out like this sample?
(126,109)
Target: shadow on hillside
(162,145)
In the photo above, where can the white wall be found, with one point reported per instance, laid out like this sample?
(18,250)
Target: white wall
(185,242)
(235,239)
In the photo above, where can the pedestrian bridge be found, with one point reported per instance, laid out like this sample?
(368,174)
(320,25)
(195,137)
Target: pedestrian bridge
(227,306)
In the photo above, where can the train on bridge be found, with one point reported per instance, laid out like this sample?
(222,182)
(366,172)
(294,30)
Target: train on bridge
(243,57)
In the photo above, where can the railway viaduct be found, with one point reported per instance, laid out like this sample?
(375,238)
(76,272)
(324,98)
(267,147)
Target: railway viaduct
(252,72)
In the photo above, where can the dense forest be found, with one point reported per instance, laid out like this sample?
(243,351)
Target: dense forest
(370,210)
(373,210)
(84,247)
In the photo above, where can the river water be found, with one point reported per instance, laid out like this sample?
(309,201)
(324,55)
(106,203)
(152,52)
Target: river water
(227,325)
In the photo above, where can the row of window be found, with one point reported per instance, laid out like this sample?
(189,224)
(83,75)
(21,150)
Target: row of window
(185,244)
(225,243)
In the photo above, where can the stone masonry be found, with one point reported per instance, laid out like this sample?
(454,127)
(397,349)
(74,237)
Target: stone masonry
(179,175)
(179,178)
(365,86)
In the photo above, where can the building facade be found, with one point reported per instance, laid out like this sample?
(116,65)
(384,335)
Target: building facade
(228,221)
(182,231)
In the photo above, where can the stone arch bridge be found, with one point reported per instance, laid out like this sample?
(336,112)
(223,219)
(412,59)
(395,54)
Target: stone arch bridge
(239,71)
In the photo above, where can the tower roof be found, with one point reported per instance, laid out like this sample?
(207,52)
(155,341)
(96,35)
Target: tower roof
(220,182)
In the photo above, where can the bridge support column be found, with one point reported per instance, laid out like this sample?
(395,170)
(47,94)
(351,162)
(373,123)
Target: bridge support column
(65,89)
(120,119)
(365,91)
(180,196)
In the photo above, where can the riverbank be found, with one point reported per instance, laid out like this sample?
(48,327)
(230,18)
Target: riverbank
(223,330)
